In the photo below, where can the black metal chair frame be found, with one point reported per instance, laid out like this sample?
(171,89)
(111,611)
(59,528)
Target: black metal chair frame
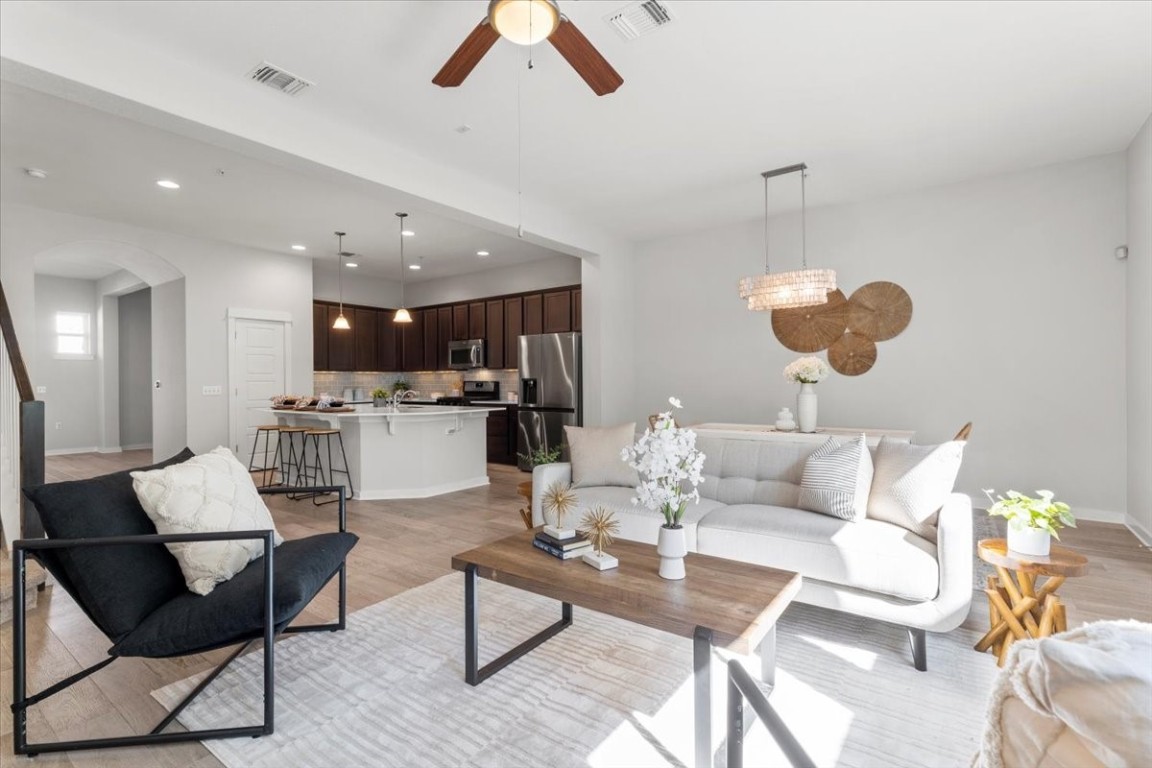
(21,701)
(741,686)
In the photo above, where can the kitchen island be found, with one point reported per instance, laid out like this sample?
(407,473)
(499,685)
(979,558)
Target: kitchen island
(407,452)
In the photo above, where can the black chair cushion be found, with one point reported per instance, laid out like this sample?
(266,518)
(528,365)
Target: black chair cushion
(117,586)
(234,610)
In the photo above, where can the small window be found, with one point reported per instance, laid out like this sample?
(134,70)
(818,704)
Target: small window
(74,335)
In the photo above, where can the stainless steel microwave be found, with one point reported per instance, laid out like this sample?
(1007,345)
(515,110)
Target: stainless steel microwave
(463,355)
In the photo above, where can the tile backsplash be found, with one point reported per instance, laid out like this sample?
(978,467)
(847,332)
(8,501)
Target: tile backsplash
(426,383)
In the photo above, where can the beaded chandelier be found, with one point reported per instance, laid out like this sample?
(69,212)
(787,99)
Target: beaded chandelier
(797,288)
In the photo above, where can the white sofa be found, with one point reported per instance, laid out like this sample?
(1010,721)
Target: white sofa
(748,511)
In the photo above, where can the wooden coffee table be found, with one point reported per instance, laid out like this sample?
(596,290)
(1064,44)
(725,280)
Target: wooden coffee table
(722,603)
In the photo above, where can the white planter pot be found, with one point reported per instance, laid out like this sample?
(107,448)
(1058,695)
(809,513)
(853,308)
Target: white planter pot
(806,407)
(1029,541)
(672,546)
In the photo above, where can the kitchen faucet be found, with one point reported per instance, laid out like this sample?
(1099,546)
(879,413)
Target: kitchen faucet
(399,396)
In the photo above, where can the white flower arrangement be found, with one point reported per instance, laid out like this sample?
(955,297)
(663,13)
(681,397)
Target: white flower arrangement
(806,370)
(666,458)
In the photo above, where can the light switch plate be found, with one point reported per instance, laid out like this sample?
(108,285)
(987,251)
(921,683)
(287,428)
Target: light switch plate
(212,390)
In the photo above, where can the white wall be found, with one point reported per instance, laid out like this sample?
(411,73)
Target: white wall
(358,289)
(1018,325)
(1139,323)
(71,420)
(135,369)
(533,276)
(216,276)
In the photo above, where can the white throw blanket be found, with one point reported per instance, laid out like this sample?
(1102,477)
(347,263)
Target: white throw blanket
(1079,698)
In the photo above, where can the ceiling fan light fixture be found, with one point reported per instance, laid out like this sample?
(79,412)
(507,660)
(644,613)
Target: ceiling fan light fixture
(524,22)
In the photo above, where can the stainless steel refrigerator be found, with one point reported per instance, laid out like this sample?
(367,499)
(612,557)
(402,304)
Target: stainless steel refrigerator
(550,392)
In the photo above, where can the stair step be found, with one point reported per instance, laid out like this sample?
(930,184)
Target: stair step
(34,580)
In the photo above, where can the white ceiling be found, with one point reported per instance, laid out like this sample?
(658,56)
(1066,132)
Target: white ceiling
(106,166)
(877,97)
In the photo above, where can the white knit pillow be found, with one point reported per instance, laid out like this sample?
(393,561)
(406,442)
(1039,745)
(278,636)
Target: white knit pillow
(911,483)
(837,478)
(211,492)
(595,455)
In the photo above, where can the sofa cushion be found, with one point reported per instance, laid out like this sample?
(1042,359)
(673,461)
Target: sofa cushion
(234,611)
(638,523)
(117,586)
(597,458)
(753,471)
(837,479)
(911,482)
(870,555)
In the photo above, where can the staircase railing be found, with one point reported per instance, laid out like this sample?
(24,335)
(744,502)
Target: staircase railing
(21,437)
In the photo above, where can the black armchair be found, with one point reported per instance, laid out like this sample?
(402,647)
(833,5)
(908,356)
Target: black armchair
(128,584)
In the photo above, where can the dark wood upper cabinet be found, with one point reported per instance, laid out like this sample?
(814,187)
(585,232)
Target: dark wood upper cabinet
(320,337)
(387,341)
(476,320)
(578,310)
(460,322)
(412,343)
(495,333)
(533,314)
(431,338)
(513,327)
(444,336)
(341,344)
(558,311)
(364,333)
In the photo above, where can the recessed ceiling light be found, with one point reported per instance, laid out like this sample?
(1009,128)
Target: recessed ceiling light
(351,264)
(167,184)
(407,232)
(36,173)
(481,253)
(297,247)
(413,266)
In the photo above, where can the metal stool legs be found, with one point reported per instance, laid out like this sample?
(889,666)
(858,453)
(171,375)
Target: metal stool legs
(321,474)
(264,469)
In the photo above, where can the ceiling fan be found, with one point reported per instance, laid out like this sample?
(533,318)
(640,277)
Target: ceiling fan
(527,22)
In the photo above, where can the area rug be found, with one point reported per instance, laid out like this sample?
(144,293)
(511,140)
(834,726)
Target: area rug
(390,692)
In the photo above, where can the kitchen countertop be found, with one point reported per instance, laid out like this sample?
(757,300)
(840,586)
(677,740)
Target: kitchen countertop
(368,411)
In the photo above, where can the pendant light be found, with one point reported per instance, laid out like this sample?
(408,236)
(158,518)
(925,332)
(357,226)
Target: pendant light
(782,290)
(402,314)
(341,323)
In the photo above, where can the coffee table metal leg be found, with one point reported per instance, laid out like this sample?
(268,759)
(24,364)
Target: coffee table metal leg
(475,674)
(702,674)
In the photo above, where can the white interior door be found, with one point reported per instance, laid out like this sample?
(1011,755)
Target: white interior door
(259,365)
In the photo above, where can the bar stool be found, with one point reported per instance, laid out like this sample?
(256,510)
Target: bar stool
(325,476)
(267,431)
(292,460)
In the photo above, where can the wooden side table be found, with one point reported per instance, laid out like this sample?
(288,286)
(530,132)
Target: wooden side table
(1020,607)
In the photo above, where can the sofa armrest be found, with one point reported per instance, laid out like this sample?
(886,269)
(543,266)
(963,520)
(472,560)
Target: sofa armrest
(542,477)
(954,553)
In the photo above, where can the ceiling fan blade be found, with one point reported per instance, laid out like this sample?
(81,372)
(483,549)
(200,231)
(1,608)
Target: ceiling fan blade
(584,58)
(467,56)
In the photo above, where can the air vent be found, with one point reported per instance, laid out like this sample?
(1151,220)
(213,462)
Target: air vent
(641,18)
(274,77)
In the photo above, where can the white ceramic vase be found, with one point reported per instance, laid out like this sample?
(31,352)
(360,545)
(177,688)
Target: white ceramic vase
(672,546)
(1029,541)
(806,407)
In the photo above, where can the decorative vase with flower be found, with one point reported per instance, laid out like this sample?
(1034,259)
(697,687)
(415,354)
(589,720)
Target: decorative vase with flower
(1032,523)
(807,372)
(667,459)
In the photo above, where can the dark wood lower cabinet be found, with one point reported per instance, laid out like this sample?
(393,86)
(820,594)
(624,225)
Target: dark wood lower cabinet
(502,436)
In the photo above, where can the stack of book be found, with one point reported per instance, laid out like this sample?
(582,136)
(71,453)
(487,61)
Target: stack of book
(566,548)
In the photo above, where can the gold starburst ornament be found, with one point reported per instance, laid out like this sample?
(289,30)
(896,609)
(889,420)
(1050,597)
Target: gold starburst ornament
(558,500)
(600,526)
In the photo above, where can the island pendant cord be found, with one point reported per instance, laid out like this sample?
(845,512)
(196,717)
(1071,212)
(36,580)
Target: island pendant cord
(402,314)
(341,323)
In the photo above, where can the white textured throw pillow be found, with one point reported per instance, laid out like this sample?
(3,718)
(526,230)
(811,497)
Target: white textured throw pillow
(837,478)
(595,454)
(211,492)
(911,483)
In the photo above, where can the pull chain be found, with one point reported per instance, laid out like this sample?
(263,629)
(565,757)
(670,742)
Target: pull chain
(803,220)
(766,270)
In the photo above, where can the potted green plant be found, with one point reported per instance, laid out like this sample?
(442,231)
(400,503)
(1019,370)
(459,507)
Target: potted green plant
(379,397)
(1032,523)
(541,455)
(401,385)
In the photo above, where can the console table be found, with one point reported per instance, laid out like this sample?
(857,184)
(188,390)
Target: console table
(769,432)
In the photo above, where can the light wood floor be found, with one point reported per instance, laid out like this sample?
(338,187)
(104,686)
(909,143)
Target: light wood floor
(403,544)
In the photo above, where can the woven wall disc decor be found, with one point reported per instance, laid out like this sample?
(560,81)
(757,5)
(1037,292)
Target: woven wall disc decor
(879,311)
(811,329)
(852,354)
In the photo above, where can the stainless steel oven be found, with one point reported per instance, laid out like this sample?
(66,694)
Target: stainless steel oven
(463,355)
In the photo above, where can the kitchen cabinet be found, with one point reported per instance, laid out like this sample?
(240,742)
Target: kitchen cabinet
(320,337)
(387,341)
(365,356)
(431,338)
(341,344)
(460,322)
(476,320)
(412,343)
(533,314)
(513,327)
(494,333)
(558,311)
(444,336)
(502,436)
(577,310)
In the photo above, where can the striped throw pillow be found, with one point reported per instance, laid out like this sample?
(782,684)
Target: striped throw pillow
(837,479)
